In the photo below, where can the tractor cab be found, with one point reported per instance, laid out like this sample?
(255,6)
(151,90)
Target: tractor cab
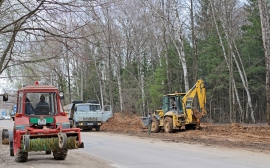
(40,103)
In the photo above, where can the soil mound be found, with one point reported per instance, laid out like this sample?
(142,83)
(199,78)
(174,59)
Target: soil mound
(122,123)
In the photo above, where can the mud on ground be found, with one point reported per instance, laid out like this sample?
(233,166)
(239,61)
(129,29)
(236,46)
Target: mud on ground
(255,137)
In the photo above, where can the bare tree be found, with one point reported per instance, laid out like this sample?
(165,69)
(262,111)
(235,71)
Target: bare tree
(173,24)
(263,8)
(30,25)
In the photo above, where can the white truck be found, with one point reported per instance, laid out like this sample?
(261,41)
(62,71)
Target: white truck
(89,115)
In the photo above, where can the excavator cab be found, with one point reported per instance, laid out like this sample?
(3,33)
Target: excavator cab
(173,102)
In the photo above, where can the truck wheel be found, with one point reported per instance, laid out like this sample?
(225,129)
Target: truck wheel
(97,128)
(60,155)
(21,156)
(155,125)
(168,125)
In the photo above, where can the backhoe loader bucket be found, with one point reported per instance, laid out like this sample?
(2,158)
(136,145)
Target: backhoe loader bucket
(197,114)
(144,122)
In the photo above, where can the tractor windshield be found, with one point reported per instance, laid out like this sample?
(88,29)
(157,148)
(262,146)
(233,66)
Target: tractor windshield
(41,103)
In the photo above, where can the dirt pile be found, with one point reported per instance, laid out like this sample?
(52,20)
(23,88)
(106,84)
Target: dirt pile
(252,136)
(123,123)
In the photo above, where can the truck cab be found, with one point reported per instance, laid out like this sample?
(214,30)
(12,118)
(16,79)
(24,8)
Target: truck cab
(88,115)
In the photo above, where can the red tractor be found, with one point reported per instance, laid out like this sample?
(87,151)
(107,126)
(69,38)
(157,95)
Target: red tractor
(40,124)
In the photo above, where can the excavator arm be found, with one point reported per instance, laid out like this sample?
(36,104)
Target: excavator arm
(197,90)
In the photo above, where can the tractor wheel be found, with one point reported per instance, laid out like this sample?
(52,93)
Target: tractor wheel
(5,137)
(11,150)
(97,128)
(21,156)
(48,152)
(168,125)
(60,155)
(155,125)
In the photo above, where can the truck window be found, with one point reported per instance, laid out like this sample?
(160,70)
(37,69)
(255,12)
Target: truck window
(94,107)
(83,108)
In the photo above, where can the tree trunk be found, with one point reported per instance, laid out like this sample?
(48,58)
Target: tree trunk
(244,82)
(266,42)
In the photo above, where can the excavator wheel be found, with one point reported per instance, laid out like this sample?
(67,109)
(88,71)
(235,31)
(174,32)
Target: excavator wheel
(60,155)
(168,125)
(155,125)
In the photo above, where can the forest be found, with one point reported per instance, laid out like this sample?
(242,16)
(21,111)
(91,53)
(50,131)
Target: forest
(129,53)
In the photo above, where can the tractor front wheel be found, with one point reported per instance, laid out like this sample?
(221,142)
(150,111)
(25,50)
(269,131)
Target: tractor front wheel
(60,155)
(21,156)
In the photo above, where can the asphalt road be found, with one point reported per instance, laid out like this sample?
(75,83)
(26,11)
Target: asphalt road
(123,151)
(134,152)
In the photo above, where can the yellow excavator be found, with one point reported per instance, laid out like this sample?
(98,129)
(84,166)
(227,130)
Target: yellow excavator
(178,110)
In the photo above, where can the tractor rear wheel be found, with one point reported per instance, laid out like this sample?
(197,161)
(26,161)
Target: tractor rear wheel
(60,155)
(21,156)
(155,125)
(168,125)
(11,150)
(5,136)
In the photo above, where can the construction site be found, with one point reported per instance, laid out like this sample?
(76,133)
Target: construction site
(255,137)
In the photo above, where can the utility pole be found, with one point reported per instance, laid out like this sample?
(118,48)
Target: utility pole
(81,80)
